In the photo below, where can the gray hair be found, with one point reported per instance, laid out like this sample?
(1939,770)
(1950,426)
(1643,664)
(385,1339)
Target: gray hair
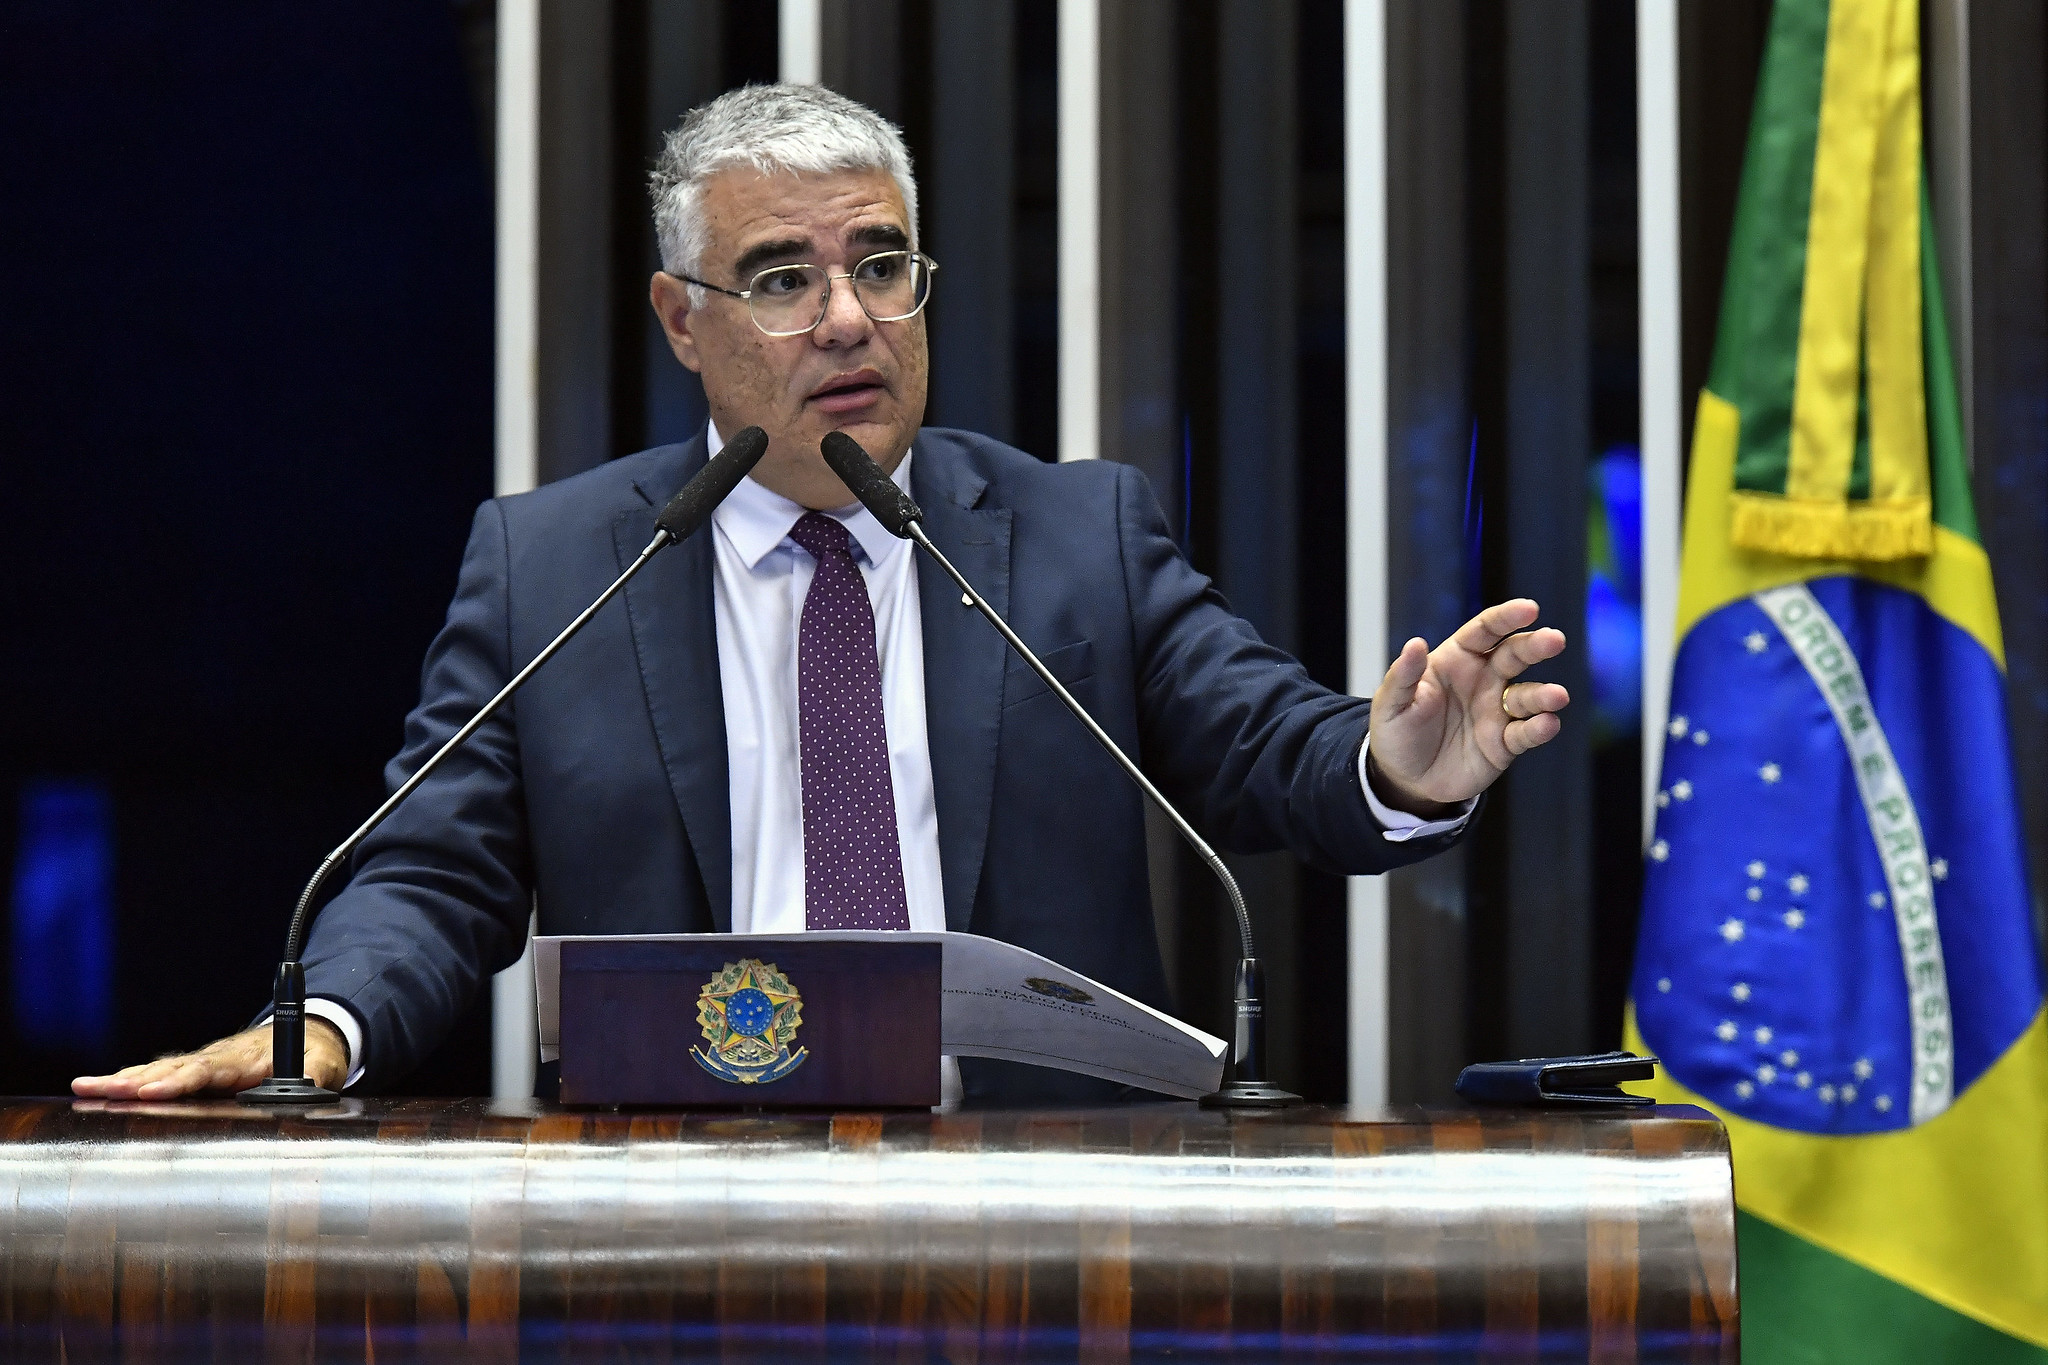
(801,129)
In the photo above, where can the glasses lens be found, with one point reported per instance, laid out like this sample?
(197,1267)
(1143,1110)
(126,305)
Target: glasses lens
(788,299)
(892,285)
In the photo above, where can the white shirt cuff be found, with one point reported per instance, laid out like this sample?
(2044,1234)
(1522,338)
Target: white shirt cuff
(1398,826)
(343,1018)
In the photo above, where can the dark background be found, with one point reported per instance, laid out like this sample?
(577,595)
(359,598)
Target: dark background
(246,413)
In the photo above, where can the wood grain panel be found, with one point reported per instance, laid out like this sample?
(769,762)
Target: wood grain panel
(466,1230)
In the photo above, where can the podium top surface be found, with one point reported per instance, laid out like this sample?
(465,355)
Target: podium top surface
(34,1120)
(1320,1233)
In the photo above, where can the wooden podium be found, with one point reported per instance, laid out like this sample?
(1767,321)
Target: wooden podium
(468,1230)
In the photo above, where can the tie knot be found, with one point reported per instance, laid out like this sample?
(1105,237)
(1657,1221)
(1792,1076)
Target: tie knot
(822,536)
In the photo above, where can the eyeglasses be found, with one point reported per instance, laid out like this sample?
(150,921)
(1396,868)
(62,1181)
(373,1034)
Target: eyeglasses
(790,300)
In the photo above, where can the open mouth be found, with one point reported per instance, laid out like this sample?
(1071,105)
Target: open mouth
(848,392)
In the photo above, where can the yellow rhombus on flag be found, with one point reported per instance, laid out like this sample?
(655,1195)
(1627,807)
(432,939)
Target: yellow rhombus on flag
(1837,953)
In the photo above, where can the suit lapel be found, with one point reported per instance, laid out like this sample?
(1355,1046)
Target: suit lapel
(675,636)
(963,664)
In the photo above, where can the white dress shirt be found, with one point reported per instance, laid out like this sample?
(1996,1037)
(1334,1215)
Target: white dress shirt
(759,583)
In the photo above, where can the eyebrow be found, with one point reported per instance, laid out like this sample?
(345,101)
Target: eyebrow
(887,236)
(766,253)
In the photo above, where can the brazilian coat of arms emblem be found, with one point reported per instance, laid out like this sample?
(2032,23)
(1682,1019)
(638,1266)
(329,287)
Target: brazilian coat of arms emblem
(749,1013)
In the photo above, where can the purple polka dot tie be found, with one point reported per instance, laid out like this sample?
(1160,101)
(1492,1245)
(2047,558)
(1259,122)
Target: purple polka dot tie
(853,863)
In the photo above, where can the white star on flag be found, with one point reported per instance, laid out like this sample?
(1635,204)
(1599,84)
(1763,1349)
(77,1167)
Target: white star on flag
(1864,1070)
(1731,930)
(1848,1094)
(1699,736)
(1726,1030)
(1883,1103)
(1756,893)
(1682,790)
(1797,883)
(1939,867)
(1763,1035)
(1756,870)
(1660,850)
(1767,1073)
(1743,1089)
(1788,1057)
(1664,984)
(1770,773)
(1877,900)
(1663,799)
(1755,642)
(1740,990)
(1803,1079)
(1795,919)
(1826,1093)
(1677,727)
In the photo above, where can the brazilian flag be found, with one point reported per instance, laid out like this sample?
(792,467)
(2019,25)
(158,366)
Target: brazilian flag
(1837,953)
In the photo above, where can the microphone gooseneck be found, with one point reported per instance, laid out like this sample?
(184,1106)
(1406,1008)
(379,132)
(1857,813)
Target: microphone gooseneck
(1247,1087)
(684,515)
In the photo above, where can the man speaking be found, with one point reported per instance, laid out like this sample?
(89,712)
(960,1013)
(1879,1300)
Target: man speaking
(790,722)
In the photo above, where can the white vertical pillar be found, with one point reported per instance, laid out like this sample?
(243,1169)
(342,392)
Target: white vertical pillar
(1080,230)
(1365,488)
(518,200)
(514,1029)
(800,41)
(1663,414)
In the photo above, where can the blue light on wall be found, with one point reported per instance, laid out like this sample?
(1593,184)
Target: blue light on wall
(1614,591)
(63,931)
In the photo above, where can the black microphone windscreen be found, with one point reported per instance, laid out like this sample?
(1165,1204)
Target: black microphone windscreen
(865,480)
(688,510)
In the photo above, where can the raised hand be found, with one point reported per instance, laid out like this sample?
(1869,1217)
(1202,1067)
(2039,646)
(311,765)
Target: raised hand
(231,1064)
(1448,721)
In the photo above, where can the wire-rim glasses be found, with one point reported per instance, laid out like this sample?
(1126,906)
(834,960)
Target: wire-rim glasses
(790,300)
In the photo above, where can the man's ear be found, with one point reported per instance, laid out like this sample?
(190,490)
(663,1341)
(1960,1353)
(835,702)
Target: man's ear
(671,300)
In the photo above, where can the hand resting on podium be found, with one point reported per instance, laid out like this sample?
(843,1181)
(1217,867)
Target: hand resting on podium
(231,1064)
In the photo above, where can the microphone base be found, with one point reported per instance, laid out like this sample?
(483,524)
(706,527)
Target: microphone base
(287,1090)
(1251,1095)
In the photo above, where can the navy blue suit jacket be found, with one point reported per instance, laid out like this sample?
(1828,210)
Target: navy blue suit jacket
(600,793)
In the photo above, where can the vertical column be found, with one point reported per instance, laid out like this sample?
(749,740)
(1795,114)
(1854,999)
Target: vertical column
(1431,497)
(1080,228)
(1254,295)
(1546,800)
(518,248)
(2008,316)
(969,218)
(514,1046)
(1136,393)
(556,252)
(800,37)
(1662,334)
(681,47)
(1945,95)
(1365,455)
(573,263)
(862,54)
(1244,314)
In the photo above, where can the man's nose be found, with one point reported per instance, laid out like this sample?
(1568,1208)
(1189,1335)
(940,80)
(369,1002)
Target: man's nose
(845,322)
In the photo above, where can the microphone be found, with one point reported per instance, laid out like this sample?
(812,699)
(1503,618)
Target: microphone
(1247,1087)
(685,514)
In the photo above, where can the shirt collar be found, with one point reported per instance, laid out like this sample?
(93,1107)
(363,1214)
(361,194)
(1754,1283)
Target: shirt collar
(757,519)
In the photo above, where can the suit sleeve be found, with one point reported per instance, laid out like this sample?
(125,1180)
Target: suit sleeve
(440,895)
(1235,732)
